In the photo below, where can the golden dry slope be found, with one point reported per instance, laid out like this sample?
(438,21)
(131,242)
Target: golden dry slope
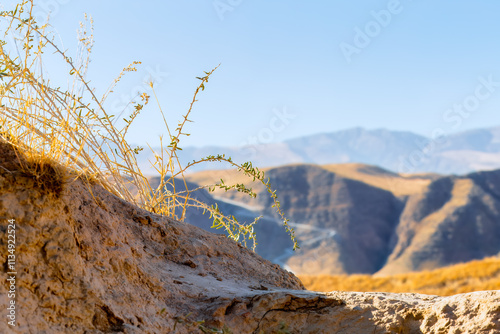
(398,184)
(461,278)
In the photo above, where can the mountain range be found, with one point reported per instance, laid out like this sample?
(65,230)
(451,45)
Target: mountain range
(397,151)
(355,218)
(364,201)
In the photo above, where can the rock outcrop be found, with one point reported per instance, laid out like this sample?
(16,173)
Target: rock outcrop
(89,262)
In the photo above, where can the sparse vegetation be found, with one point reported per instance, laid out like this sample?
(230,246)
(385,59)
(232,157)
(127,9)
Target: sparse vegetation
(461,278)
(70,127)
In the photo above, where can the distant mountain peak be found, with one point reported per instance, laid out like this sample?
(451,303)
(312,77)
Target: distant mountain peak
(397,151)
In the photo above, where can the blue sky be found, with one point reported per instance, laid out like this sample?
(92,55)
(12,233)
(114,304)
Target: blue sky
(285,72)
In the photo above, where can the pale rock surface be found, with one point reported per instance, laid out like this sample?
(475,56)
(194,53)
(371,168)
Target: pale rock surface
(88,262)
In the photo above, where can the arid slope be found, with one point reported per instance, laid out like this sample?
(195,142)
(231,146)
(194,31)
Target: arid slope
(354,218)
(88,262)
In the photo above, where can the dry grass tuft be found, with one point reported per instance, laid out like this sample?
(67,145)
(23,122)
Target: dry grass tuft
(57,129)
(476,275)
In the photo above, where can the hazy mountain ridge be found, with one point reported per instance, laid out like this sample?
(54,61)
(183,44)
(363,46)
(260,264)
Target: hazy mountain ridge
(388,225)
(398,151)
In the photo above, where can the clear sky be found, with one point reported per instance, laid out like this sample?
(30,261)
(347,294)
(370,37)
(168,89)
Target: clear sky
(293,68)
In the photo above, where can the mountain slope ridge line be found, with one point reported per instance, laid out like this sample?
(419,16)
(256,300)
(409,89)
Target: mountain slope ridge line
(399,228)
(398,151)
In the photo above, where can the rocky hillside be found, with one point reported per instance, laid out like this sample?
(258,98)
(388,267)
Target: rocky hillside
(88,262)
(456,219)
(362,219)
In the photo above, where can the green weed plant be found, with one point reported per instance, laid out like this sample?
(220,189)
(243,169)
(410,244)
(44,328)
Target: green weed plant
(72,128)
